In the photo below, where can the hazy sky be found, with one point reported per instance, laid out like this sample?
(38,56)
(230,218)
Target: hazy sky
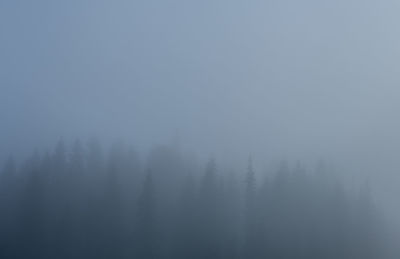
(285,78)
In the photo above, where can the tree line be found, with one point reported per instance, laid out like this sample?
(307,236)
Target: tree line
(84,202)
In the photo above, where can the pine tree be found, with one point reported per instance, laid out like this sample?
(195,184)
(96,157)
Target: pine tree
(184,244)
(112,208)
(253,227)
(8,201)
(146,246)
(33,217)
(209,232)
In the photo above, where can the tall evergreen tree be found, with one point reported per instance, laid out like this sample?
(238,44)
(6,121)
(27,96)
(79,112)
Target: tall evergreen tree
(8,201)
(184,245)
(209,232)
(145,242)
(33,230)
(253,227)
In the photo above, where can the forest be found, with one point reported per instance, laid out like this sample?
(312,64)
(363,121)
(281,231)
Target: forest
(81,200)
(211,129)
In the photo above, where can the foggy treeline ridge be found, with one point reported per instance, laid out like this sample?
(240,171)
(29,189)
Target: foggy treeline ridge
(81,201)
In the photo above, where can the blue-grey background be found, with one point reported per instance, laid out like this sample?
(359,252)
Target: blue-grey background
(298,79)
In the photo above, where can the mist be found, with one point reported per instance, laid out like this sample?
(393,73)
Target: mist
(291,84)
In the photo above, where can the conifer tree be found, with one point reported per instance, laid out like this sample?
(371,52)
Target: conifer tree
(146,246)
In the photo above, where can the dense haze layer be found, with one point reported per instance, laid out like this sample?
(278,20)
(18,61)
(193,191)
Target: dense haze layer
(298,79)
(88,202)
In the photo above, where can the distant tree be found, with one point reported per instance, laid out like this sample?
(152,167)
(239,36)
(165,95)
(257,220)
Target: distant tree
(183,234)
(254,231)
(8,201)
(32,233)
(112,207)
(60,158)
(9,171)
(145,242)
(279,215)
(94,157)
(209,228)
(76,182)
(231,218)
(366,226)
(77,161)
(250,187)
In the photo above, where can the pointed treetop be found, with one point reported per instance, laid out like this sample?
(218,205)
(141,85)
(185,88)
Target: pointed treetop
(209,182)
(9,168)
(211,167)
(250,177)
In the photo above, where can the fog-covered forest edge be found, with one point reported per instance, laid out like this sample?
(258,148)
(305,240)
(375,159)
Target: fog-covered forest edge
(82,200)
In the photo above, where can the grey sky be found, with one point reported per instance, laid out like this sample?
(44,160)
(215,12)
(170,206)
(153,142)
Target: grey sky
(280,78)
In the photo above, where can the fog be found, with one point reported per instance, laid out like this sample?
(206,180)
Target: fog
(274,80)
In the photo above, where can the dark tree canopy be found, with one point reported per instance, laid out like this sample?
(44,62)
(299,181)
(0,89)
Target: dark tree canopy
(82,202)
